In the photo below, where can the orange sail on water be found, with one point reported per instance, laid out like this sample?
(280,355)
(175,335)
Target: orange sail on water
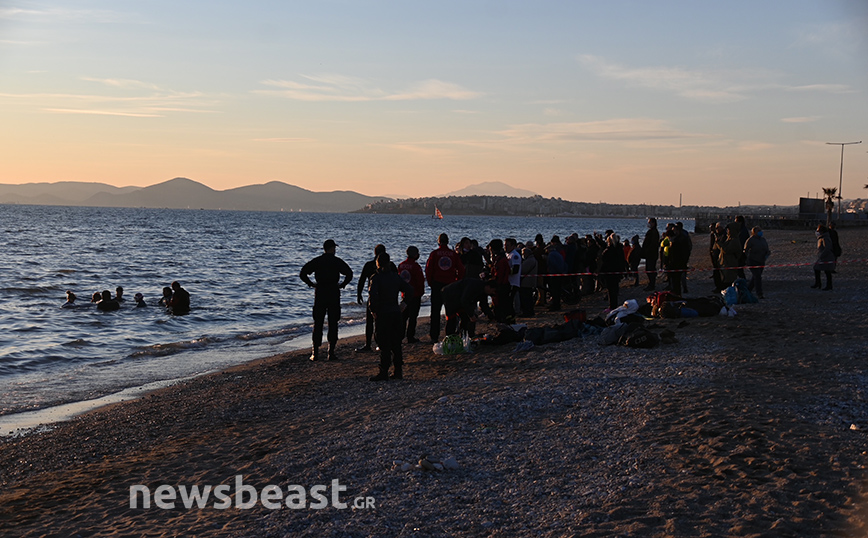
(437,213)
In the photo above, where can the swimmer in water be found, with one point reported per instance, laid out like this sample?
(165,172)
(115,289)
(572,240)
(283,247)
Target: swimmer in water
(140,300)
(167,297)
(96,297)
(70,300)
(107,304)
(119,294)
(180,303)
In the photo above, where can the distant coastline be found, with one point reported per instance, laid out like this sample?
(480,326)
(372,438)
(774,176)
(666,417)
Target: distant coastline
(537,206)
(502,200)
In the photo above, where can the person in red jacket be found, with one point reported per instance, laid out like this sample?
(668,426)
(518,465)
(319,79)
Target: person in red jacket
(412,273)
(443,267)
(500,271)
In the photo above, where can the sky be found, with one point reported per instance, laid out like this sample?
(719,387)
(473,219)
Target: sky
(721,103)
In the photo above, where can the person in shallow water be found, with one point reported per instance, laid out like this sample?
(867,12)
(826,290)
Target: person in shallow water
(70,300)
(140,300)
(326,269)
(180,303)
(166,298)
(119,294)
(107,304)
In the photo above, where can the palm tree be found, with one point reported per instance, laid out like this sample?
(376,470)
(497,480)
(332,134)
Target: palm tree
(829,193)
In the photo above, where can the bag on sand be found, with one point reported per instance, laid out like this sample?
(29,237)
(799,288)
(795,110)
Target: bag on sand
(705,306)
(730,296)
(452,345)
(642,338)
(638,336)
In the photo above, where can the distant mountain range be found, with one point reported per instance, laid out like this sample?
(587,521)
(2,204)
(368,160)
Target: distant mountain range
(183,193)
(491,188)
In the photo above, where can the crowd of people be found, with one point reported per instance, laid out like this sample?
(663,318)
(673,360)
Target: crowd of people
(506,279)
(175,299)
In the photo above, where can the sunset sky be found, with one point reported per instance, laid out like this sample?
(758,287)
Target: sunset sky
(622,102)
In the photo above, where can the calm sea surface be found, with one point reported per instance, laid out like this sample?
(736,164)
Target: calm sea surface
(241,269)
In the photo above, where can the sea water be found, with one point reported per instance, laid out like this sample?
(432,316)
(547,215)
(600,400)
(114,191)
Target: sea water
(240,268)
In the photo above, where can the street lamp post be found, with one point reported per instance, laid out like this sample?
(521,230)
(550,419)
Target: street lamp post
(841,175)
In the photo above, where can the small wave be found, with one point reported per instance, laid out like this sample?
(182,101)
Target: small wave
(80,342)
(30,291)
(288,331)
(159,350)
(28,329)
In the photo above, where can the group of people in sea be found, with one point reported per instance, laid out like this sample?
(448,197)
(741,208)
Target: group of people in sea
(508,278)
(175,299)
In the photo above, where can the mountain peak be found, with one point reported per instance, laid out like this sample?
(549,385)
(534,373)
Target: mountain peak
(491,188)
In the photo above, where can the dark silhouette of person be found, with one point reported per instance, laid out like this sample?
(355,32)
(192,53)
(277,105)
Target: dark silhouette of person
(180,303)
(461,299)
(326,269)
(836,241)
(107,304)
(368,272)
(443,267)
(412,273)
(386,285)
(651,251)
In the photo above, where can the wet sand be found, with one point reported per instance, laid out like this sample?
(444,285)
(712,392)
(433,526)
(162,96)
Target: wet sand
(748,426)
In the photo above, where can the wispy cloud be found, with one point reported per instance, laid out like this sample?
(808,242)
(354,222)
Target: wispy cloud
(122,83)
(801,119)
(21,43)
(834,38)
(133,103)
(62,14)
(828,88)
(101,112)
(615,130)
(711,86)
(427,150)
(693,84)
(749,145)
(284,139)
(534,137)
(333,87)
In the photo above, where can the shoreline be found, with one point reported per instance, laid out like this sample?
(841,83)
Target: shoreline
(22,423)
(743,427)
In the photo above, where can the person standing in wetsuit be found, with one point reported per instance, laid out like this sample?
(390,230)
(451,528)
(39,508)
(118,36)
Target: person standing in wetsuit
(368,271)
(326,269)
(386,286)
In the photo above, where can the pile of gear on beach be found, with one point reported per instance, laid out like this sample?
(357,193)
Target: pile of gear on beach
(626,325)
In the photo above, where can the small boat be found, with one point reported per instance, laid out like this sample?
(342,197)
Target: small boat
(437,213)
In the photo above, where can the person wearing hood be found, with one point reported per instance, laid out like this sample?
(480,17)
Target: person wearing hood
(730,253)
(825,258)
(756,251)
(650,251)
(612,265)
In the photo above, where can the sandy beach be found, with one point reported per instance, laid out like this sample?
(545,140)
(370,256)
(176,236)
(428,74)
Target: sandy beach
(755,425)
